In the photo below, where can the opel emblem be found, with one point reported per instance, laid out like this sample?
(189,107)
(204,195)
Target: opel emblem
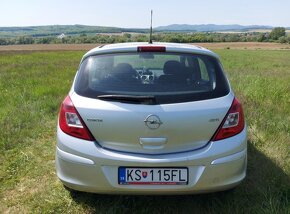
(152,121)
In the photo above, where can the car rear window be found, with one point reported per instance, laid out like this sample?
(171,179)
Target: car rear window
(166,77)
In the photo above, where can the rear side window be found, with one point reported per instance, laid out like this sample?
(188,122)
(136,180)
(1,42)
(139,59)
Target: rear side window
(204,72)
(168,77)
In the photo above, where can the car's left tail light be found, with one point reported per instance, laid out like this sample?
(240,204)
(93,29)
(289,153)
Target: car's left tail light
(71,123)
(233,123)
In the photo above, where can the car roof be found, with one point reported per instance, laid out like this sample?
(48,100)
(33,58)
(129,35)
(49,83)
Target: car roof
(132,47)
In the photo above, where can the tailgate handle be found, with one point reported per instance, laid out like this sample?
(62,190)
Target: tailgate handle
(153,142)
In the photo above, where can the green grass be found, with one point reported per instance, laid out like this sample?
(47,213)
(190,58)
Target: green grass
(32,86)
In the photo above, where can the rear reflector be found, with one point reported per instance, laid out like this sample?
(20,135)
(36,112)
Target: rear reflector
(233,122)
(151,49)
(71,123)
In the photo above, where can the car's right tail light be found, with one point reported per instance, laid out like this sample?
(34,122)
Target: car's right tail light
(71,123)
(233,122)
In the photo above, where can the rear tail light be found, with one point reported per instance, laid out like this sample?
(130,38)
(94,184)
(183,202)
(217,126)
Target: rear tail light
(71,123)
(233,122)
(151,49)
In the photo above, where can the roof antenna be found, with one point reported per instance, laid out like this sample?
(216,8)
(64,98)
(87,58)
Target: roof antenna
(150,38)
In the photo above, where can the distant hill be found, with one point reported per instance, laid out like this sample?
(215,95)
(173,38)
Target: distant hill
(209,28)
(55,30)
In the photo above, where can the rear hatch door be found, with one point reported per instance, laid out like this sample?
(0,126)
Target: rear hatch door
(152,129)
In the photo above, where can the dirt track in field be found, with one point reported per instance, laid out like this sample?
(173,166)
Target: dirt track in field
(85,47)
(246,45)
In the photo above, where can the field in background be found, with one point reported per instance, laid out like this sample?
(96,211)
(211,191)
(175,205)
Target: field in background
(33,84)
(86,47)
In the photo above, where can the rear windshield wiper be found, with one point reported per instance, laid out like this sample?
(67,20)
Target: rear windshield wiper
(148,100)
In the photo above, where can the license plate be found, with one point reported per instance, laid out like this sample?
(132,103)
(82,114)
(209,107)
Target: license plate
(152,176)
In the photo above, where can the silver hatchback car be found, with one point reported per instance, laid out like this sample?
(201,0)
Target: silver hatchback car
(151,119)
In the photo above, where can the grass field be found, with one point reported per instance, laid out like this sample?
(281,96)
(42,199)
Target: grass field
(32,86)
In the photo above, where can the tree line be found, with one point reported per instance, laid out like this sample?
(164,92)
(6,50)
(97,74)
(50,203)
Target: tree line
(276,35)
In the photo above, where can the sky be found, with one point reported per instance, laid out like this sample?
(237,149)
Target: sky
(136,14)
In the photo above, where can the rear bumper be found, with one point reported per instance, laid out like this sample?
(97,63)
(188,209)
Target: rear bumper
(83,166)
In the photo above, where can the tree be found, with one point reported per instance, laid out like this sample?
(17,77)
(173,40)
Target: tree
(262,37)
(277,32)
(127,35)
